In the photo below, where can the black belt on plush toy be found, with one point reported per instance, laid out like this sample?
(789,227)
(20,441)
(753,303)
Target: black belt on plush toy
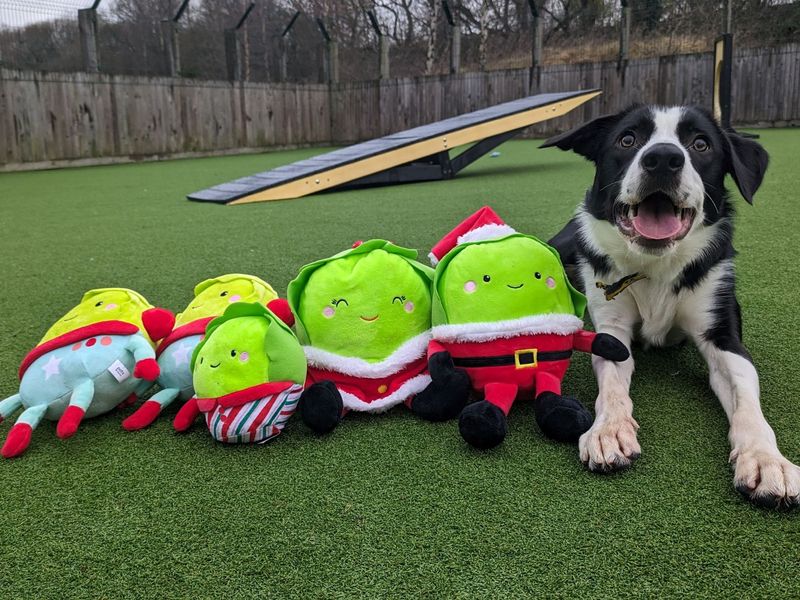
(522,359)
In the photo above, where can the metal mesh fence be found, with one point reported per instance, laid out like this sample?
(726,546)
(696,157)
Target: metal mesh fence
(493,34)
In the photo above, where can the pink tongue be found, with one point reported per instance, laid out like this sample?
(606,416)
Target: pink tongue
(656,225)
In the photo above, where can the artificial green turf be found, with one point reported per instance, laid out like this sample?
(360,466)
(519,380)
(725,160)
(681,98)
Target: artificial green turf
(386,505)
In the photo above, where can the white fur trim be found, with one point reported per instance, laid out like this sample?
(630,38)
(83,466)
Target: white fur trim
(490,231)
(410,351)
(434,260)
(411,387)
(558,324)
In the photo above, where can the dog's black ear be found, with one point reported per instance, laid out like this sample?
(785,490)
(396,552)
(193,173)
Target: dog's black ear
(747,163)
(587,139)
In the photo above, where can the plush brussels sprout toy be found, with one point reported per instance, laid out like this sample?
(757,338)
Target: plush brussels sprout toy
(505,313)
(174,353)
(363,317)
(248,373)
(90,361)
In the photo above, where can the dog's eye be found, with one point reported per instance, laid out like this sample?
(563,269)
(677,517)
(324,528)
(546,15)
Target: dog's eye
(486,278)
(700,145)
(627,140)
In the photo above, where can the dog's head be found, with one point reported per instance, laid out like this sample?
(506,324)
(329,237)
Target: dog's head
(660,172)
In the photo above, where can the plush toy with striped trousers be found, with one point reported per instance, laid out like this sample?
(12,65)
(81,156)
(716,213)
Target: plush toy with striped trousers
(248,374)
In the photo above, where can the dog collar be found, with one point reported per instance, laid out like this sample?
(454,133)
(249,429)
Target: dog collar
(612,290)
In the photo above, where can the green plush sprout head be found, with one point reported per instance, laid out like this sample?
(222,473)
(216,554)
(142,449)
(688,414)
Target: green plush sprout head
(364,302)
(490,273)
(247,346)
(104,304)
(213,296)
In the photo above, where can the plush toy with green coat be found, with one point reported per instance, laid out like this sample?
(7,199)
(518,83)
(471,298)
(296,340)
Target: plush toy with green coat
(248,374)
(97,356)
(363,317)
(506,315)
(174,353)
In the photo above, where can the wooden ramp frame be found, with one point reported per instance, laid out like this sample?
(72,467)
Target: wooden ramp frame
(418,154)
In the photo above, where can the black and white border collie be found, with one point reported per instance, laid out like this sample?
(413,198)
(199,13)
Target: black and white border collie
(651,245)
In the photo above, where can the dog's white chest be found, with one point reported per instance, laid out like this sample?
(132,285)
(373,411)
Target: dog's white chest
(658,308)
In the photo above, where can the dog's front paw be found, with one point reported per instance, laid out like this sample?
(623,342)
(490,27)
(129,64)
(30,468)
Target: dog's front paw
(766,478)
(610,445)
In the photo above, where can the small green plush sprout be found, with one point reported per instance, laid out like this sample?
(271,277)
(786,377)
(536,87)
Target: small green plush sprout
(248,374)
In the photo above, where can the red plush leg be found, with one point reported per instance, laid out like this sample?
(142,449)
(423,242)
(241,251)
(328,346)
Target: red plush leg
(147,369)
(69,421)
(502,395)
(143,417)
(547,382)
(186,415)
(17,440)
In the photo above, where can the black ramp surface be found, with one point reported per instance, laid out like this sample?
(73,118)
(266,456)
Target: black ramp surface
(245,186)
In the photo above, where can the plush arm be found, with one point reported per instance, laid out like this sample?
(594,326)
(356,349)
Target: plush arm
(603,345)
(146,366)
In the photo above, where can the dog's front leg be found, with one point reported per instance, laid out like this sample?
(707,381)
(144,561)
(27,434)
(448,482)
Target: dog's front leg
(611,443)
(760,470)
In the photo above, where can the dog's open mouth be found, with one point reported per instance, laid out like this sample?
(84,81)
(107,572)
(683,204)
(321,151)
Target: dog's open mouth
(655,222)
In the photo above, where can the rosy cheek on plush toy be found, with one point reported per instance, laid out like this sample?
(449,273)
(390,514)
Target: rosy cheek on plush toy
(470,287)
(551,283)
(328,312)
(244,357)
(235,298)
(110,306)
(409,307)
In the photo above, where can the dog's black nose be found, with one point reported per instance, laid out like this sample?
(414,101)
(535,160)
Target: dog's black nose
(663,160)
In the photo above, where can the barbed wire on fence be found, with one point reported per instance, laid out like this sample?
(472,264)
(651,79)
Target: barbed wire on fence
(337,38)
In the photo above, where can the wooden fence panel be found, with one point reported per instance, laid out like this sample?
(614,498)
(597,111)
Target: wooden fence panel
(50,117)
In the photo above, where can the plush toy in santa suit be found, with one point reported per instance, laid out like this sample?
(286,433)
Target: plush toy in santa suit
(505,313)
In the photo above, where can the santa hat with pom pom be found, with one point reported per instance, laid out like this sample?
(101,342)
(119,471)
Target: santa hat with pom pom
(484,224)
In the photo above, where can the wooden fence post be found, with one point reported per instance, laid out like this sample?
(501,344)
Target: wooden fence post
(383,46)
(236,55)
(455,38)
(330,61)
(169,40)
(537,34)
(283,66)
(624,38)
(233,55)
(87,27)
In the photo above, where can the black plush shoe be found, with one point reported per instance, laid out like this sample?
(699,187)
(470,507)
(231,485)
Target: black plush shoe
(483,425)
(561,418)
(321,407)
(443,399)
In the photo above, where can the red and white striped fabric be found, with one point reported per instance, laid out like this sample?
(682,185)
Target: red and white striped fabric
(254,422)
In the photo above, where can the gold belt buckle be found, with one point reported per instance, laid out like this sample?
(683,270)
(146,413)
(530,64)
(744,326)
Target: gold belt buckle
(526,359)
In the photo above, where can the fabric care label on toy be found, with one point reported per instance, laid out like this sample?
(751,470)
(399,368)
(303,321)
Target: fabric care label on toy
(119,371)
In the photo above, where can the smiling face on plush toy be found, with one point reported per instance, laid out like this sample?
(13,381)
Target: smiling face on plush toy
(101,305)
(213,296)
(510,278)
(365,305)
(232,358)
